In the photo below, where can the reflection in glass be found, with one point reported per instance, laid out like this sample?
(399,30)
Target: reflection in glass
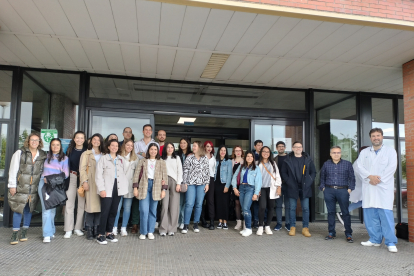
(336,125)
(404,213)
(3,138)
(5,93)
(107,125)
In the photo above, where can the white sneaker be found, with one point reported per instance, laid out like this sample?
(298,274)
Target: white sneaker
(170,233)
(184,231)
(115,231)
(368,243)
(67,235)
(124,232)
(392,249)
(181,226)
(242,231)
(163,234)
(150,236)
(79,232)
(247,232)
(47,239)
(268,230)
(259,231)
(142,237)
(156,225)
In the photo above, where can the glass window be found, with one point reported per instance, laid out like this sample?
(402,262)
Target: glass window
(336,124)
(186,93)
(401,126)
(3,138)
(5,93)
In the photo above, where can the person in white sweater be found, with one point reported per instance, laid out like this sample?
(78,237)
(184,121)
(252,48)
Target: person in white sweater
(171,203)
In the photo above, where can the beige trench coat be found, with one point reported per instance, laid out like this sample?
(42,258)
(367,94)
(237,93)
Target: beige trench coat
(159,175)
(87,169)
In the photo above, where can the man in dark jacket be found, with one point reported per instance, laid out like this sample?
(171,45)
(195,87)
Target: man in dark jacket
(280,162)
(299,173)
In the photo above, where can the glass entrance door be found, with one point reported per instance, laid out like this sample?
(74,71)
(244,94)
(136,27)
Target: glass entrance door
(271,132)
(105,123)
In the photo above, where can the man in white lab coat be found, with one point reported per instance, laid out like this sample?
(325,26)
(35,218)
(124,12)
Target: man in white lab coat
(376,166)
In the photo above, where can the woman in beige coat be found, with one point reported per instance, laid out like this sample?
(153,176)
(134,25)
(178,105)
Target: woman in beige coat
(150,184)
(87,169)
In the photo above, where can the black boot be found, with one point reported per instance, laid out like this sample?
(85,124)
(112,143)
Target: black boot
(89,233)
(204,223)
(211,225)
(95,232)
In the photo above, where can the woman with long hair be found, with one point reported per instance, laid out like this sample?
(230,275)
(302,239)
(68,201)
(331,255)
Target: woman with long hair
(271,189)
(249,180)
(150,185)
(170,206)
(55,164)
(197,177)
(112,184)
(87,171)
(237,157)
(222,179)
(131,162)
(76,148)
(184,150)
(25,171)
(209,198)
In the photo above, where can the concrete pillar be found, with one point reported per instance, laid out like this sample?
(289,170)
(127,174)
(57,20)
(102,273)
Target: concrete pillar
(408,83)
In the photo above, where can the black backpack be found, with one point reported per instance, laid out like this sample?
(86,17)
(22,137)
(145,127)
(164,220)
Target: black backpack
(402,230)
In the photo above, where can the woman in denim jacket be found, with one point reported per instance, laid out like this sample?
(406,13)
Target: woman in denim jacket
(250,179)
(222,178)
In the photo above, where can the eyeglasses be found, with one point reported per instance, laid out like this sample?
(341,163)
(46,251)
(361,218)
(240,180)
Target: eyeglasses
(336,152)
(35,140)
(237,150)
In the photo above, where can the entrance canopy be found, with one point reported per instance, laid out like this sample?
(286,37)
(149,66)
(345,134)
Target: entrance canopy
(169,41)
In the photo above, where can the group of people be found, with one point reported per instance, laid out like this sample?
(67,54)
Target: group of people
(149,179)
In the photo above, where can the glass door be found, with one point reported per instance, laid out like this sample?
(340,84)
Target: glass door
(105,123)
(271,132)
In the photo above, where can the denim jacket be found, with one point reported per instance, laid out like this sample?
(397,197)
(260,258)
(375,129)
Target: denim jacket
(254,178)
(226,172)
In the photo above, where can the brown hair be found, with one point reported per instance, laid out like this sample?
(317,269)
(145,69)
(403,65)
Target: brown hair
(201,151)
(108,144)
(133,155)
(377,129)
(26,142)
(233,155)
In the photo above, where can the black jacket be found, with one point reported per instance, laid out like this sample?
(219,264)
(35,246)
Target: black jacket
(288,175)
(54,188)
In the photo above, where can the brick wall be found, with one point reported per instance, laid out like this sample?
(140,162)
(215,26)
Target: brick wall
(392,9)
(408,82)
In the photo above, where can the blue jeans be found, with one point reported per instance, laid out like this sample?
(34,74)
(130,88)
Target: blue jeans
(380,224)
(127,211)
(182,209)
(194,198)
(48,216)
(246,194)
(279,203)
(342,197)
(17,218)
(255,211)
(354,205)
(148,211)
(305,211)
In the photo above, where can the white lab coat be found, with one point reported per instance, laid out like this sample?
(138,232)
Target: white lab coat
(356,194)
(384,165)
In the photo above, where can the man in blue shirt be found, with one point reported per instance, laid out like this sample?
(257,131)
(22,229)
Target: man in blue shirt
(337,182)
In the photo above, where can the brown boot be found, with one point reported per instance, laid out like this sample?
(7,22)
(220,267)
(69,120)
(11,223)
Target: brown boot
(292,231)
(134,229)
(305,232)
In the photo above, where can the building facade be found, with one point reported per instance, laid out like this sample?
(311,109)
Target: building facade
(321,72)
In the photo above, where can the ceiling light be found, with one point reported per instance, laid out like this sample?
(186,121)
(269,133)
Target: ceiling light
(184,120)
(214,65)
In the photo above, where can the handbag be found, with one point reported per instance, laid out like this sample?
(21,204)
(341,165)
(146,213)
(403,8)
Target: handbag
(183,188)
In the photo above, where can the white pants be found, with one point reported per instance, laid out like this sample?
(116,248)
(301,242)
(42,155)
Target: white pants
(72,193)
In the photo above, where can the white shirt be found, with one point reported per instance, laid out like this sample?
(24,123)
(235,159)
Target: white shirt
(97,156)
(356,194)
(14,168)
(174,169)
(383,164)
(212,165)
(151,168)
(127,162)
(140,146)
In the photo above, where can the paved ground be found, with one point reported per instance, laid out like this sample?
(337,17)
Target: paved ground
(217,252)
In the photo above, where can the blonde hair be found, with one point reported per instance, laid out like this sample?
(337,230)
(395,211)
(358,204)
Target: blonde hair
(201,150)
(27,141)
(133,155)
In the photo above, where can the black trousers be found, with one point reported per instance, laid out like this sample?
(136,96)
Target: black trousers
(209,198)
(221,200)
(265,203)
(109,209)
(92,219)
